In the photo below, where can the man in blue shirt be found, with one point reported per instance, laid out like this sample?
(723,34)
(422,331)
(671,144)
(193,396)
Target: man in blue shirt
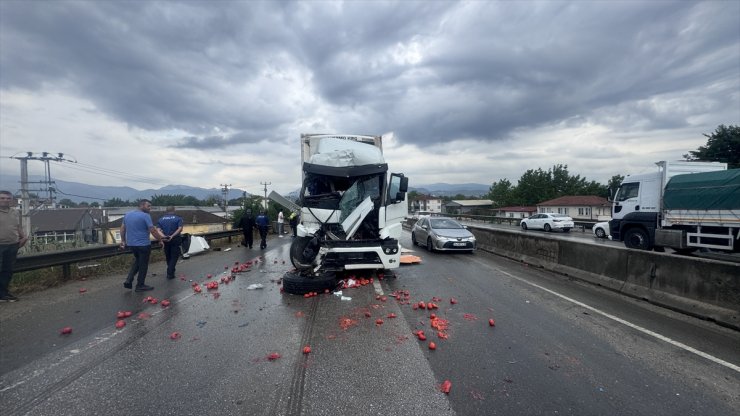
(263,224)
(135,230)
(171,226)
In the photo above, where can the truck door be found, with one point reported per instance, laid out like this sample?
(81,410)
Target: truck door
(626,200)
(396,208)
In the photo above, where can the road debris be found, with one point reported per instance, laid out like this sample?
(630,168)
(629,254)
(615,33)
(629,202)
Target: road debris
(66,330)
(445,387)
(175,336)
(255,286)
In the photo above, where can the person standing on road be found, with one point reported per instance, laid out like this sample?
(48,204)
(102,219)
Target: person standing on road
(262,223)
(12,238)
(247,225)
(293,218)
(135,230)
(170,225)
(280,222)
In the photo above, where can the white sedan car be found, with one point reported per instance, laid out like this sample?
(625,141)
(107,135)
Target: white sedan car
(601,229)
(548,222)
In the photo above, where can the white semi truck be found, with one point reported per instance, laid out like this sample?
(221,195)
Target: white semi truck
(351,210)
(684,205)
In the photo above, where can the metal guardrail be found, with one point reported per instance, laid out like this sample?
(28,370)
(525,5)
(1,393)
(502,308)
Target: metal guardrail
(68,257)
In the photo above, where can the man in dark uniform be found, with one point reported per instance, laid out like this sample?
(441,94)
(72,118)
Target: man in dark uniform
(247,225)
(263,224)
(171,226)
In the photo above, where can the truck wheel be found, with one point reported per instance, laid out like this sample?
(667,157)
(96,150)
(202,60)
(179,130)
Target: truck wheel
(299,284)
(299,261)
(637,238)
(413,239)
(547,228)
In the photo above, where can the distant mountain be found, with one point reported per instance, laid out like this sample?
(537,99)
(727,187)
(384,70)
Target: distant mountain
(79,192)
(447,189)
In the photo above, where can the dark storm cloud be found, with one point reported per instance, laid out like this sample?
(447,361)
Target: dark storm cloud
(484,69)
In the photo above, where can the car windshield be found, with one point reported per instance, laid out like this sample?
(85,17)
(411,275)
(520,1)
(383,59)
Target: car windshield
(439,223)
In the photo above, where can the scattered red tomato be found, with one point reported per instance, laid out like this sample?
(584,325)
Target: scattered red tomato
(306,349)
(175,336)
(120,314)
(120,323)
(491,322)
(432,346)
(165,303)
(446,386)
(66,330)
(378,321)
(83,290)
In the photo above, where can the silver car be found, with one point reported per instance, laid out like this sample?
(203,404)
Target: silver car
(444,234)
(548,221)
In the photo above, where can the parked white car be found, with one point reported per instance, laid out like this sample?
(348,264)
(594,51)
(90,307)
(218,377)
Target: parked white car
(548,222)
(601,229)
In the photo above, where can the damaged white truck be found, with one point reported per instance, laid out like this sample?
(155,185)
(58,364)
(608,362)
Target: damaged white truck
(351,211)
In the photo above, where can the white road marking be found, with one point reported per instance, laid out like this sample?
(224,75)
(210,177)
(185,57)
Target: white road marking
(107,336)
(629,324)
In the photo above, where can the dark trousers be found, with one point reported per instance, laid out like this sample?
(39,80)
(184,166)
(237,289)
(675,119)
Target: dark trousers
(140,264)
(8,253)
(263,236)
(248,239)
(171,255)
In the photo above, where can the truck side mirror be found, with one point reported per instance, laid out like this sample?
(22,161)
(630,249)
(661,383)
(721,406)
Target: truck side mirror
(404,184)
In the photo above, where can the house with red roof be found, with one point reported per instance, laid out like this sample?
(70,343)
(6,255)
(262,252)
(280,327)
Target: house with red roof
(578,207)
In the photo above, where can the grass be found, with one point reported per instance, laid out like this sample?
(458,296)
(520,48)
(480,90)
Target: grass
(35,280)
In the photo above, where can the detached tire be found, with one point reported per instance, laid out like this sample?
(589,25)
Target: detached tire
(296,253)
(299,284)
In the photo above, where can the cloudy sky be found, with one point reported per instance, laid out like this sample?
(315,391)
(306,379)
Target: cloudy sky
(146,94)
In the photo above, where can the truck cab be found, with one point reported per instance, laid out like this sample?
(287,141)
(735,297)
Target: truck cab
(352,207)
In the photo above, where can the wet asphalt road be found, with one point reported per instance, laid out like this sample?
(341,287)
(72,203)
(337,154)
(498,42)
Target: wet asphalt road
(558,347)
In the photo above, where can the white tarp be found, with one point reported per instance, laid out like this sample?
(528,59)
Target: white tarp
(197,245)
(342,153)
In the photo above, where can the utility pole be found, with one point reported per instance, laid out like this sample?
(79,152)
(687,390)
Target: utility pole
(264,201)
(25,196)
(225,195)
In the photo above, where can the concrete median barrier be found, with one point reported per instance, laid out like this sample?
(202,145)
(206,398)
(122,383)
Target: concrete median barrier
(709,289)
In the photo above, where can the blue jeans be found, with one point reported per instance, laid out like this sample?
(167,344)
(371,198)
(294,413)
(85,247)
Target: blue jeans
(8,254)
(140,264)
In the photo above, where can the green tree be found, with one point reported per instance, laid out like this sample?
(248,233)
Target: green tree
(614,183)
(67,203)
(534,186)
(722,146)
(117,202)
(502,193)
